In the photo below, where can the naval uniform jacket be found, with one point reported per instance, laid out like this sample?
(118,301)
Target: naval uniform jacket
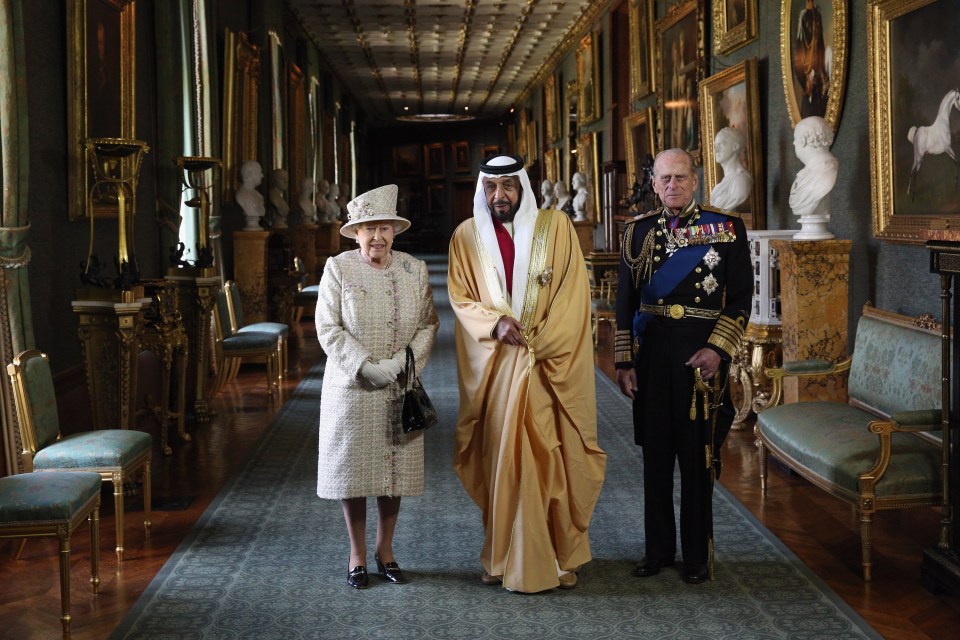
(680,290)
(693,283)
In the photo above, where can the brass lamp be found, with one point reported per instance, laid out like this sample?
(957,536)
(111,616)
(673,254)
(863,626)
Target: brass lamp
(116,168)
(199,175)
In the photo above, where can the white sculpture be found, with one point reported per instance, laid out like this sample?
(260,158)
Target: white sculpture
(323,190)
(308,208)
(278,198)
(582,199)
(810,193)
(330,207)
(546,190)
(737,183)
(249,199)
(563,198)
(342,201)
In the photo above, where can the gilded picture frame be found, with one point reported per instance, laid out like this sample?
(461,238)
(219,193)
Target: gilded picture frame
(734,24)
(461,156)
(407,161)
(823,72)
(551,164)
(682,61)
(641,49)
(588,163)
(551,99)
(639,141)
(101,71)
(297,119)
(588,79)
(910,44)
(569,127)
(730,98)
(241,88)
(433,160)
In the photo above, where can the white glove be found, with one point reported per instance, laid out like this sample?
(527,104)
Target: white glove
(375,375)
(391,367)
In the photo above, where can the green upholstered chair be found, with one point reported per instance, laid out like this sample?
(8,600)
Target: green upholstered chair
(116,454)
(53,505)
(232,347)
(238,325)
(306,295)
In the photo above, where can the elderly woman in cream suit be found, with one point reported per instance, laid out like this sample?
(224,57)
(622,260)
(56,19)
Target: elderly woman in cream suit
(373,302)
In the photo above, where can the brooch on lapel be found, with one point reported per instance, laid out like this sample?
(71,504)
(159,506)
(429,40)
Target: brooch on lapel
(545,277)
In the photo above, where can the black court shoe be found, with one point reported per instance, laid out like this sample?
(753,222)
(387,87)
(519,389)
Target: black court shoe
(358,578)
(390,571)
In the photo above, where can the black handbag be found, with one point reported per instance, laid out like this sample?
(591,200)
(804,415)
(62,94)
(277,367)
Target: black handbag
(418,411)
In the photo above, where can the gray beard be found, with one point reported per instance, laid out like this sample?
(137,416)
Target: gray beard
(505,217)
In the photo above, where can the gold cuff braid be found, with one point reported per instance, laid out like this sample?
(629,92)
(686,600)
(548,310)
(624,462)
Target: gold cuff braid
(727,335)
(622,351)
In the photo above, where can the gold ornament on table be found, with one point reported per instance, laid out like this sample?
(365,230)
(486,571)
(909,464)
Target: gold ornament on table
(116,168)
(199,175)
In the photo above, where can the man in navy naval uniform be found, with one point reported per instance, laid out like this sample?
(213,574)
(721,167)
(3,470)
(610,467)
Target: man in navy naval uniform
(683,300)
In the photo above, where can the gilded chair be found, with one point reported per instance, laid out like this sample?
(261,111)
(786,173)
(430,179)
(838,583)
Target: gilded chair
(53,505)
(306,295)
(232,347)
(116,454)
(278,329)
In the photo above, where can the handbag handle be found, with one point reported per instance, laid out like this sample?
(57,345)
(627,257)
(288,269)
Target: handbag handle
(411,367)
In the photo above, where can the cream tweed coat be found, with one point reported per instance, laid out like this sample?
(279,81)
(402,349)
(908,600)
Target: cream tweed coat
(365,314)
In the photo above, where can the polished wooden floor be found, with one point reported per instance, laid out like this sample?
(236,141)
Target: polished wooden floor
(821,530)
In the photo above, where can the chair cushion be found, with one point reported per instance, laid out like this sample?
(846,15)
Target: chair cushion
(36,497)
(104,449)
(831,440)
(250,340)
(276,328)
(312,288)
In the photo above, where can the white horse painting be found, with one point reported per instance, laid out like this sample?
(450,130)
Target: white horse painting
(935,139)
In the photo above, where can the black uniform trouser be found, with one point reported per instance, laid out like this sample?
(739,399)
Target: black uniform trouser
(669,438)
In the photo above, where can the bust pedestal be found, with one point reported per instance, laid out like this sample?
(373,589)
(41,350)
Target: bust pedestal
(585,235)
(250,273)
(814,277)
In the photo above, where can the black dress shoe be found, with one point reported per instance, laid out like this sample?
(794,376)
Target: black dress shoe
(648,568)
(358,578)
(695,573)
(390,571)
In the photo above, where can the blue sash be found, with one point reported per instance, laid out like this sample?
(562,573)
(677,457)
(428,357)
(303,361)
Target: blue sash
(668,276)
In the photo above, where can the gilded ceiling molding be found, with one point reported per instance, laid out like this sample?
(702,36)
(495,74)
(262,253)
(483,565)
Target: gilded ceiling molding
(367,51)
(410,13)
(468,11)
(579,29)
(517,30)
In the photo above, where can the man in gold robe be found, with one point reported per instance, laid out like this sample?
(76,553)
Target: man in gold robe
(526,440)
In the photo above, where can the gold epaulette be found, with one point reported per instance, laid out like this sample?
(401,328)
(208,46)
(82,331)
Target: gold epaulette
(729,214)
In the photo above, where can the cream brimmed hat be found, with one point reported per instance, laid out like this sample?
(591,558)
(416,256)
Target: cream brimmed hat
(376,204)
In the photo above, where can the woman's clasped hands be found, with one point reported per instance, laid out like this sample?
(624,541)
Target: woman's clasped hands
(381,374)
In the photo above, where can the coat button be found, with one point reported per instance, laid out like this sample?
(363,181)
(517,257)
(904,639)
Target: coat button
(697,299)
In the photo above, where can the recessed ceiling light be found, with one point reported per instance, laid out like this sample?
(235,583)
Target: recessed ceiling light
(435,117)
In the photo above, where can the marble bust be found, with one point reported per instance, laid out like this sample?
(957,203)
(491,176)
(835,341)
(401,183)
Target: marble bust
(308,208)
(248,197)
(581,200)
(547,191)
(278,198)
(737,183)
(563,198)
(810,193)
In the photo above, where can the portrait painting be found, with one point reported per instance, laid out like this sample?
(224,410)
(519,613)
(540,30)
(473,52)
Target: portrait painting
(461,157)
(100,88)
(551,99)
(813,50)
(915,116)
(489,151)
(241,62)
(734,24)
(681,61)
(588,164)
(641,48)
(640,144)
(433,159)
(407,161)
(588,79)
(732,143)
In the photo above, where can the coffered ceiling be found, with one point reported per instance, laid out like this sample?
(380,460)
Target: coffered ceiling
(458,57)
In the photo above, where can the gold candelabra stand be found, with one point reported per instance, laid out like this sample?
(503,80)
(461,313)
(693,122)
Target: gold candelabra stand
(116,169)
(199,175)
